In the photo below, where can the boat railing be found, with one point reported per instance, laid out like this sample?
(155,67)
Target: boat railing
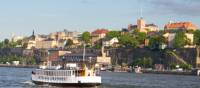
(62,79)
(65,73)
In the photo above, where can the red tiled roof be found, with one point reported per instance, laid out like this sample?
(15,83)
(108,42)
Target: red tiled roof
(100,31)
(181,25)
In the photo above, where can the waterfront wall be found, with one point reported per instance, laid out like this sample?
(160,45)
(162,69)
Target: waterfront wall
(120,55)
(127,55)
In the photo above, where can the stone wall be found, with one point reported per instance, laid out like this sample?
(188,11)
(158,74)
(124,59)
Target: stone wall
(127,55)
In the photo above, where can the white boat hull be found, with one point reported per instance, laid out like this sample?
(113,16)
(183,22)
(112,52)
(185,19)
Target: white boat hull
(68,80)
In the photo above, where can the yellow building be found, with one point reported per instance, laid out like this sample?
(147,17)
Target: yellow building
(64,35)
(31,44)
(143,27)
(47,44)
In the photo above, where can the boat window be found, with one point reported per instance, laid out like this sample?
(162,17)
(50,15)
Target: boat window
(73,73)
(67,73)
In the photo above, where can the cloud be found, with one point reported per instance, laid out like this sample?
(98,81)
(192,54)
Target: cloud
(178,7)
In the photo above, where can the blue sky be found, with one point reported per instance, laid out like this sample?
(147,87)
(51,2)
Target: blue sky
(20,17)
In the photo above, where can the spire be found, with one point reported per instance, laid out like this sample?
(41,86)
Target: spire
(33,34)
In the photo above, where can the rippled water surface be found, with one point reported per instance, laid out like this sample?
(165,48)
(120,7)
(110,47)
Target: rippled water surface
(20,78)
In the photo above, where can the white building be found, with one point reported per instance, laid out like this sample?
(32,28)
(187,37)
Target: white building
(110,41)
(171,36)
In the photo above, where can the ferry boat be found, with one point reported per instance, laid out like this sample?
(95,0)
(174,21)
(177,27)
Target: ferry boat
(68,73)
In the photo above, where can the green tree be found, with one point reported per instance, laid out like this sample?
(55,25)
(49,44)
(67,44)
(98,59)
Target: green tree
(25,45)
(180,40)
(141,36)
(156,41)
(69,43)
(185,66)
(97,46)
(6,42)
(197,37)
(86,37)
(1,45)
(128,40)
(19,42)
(172,66)
(113,34)
(12,44)
(143,62)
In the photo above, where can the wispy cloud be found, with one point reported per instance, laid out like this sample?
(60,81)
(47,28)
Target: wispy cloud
(178,7)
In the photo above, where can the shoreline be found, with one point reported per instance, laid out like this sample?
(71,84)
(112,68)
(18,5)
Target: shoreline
(189,72)
(19,66)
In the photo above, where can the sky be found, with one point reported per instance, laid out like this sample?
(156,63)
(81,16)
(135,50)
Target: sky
(20,17)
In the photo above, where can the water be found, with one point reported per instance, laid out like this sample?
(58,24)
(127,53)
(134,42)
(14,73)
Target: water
(20,78)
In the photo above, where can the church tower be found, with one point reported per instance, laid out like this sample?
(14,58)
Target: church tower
(141,24)
(33,35)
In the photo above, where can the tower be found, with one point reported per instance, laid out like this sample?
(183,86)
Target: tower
(33,34)
(141,24)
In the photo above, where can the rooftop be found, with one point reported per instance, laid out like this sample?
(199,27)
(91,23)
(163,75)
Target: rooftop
(181,25)
(100,31)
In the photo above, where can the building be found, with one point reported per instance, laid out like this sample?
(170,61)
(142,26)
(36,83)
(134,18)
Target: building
(64,35)
(46,44)
(31,44)
(16,38)
(172,28)
(98,34)
(30,41)
(143,27)
(170,39)
(171,36)
(110,41)
(180,26)
(101,33)
(41,37)
(55,54)
(53,40)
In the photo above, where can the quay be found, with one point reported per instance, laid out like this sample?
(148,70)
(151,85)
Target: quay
(19,66)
